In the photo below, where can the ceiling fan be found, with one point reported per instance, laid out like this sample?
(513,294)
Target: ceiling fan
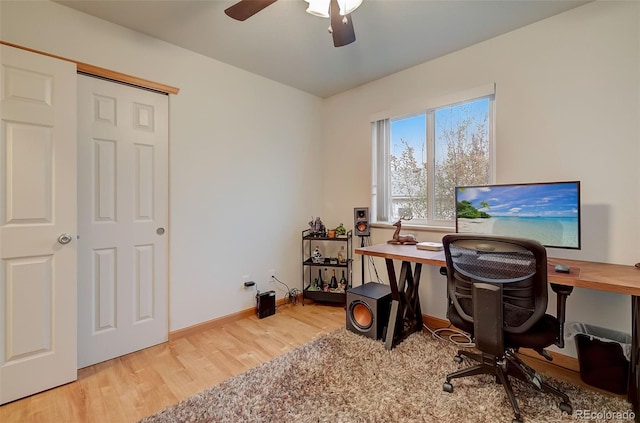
(341,27)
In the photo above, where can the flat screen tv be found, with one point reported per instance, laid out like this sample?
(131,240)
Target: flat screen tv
(548,212)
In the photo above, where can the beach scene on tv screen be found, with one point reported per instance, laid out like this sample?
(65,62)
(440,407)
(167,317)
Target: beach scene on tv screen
(548,213)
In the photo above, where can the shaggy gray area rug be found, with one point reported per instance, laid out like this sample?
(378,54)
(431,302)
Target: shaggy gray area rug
(345,377)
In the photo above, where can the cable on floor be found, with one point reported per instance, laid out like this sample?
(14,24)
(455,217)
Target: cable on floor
(453,337)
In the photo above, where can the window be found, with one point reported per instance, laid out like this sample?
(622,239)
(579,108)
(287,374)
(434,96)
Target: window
(420,158)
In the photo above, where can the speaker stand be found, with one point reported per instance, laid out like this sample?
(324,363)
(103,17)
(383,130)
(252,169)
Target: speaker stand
(362,258)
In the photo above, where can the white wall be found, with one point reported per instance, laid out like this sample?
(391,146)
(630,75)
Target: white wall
(243,154)
(567,108)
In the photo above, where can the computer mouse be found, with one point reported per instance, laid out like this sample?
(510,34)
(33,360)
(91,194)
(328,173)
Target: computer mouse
(562,268)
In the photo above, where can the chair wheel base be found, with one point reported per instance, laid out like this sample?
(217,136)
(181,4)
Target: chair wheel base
(447,387)
(566,407)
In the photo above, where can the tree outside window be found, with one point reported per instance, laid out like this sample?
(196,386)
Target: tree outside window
(433,152)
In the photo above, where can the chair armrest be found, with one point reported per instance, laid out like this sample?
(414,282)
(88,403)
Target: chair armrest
(562,292)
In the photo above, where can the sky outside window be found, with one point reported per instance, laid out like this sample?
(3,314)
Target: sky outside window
(413,129)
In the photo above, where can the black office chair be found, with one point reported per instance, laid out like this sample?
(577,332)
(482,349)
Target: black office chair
(497,290)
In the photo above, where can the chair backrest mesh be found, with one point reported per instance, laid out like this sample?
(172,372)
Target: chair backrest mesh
(518,265)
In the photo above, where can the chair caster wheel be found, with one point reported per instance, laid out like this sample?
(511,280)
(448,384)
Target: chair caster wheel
(457,359)
(566,407)
(516,421)
(447,387)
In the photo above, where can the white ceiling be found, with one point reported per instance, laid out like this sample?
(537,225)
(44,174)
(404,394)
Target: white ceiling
(285,44)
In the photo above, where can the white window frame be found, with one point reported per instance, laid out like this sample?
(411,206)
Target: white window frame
(381,150)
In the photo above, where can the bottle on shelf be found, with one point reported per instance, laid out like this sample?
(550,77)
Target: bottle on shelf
(342,255)
(334,282)
(343,282)
(325,280)
(321,283)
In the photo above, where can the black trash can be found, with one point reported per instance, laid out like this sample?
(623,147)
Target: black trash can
(603,356)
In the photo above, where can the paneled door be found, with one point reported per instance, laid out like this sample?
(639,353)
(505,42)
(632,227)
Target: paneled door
(38,262)
(122,219)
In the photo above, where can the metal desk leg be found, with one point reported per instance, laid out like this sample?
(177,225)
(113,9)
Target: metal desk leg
(395,303)
(405,316)
(391,327)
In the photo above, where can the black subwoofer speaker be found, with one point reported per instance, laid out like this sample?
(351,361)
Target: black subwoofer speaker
(368,308)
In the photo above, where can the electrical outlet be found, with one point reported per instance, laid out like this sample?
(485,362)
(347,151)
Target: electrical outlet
(271,274)
(245,279)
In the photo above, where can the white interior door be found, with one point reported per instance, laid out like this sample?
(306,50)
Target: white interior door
(122,219)
(38,262)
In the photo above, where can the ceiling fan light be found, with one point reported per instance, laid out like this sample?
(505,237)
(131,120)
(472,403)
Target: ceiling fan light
(348,6)
(319,8)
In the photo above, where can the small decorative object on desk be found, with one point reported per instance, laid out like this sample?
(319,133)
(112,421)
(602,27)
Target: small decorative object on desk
(331,233)
(317,227)
(341,230)
(317,256)
(406,239)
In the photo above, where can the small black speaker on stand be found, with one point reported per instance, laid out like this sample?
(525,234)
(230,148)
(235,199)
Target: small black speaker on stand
(361,221)
(361,228)
(368,309)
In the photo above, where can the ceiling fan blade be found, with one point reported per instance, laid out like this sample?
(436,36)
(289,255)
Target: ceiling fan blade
(343,33)
(245,9)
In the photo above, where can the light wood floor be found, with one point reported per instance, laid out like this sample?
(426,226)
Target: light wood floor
(136,385)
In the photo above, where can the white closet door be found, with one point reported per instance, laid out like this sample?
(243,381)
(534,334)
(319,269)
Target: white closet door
(38,262)
(122,215)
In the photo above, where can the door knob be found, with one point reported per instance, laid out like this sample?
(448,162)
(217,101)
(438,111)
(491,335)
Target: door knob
(64,239)
(160,231)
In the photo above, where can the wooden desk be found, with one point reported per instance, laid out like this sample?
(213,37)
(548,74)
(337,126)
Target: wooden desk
(406,316)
